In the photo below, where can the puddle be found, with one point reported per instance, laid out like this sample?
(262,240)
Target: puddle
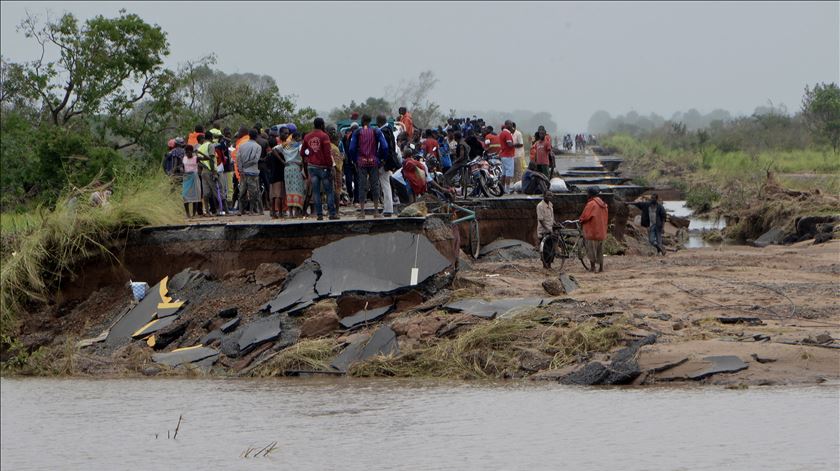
(697,225)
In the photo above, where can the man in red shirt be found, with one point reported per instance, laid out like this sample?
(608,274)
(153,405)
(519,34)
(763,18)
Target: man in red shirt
(317,154)
(430,145)
(507,152)
(594,219)
(405,119)
(542,152)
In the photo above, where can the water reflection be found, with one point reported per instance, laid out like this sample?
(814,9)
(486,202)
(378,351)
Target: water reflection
(363,425)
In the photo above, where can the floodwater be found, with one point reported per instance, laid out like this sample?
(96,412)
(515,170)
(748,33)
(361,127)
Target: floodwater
(346,424)
(696,226)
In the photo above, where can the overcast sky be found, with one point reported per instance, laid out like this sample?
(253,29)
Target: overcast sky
(570,59)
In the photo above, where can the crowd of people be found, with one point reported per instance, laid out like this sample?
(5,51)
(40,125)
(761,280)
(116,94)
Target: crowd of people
(367,161)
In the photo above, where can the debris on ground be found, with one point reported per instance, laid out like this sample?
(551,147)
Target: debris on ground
(382,342)
(491,309)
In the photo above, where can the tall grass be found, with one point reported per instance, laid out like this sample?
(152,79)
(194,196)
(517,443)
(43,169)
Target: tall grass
(43,247)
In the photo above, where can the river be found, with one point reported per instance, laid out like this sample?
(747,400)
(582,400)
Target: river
(697,225)
(343,424)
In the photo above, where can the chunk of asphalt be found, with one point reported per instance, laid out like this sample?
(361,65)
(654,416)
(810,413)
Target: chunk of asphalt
(230,325)
(491,309)
(568,282)
(740,320)
(500,244)
(382,342)
(298,289)
(137,317)
(622,369)
(719,364)
(211,337)
(363,317)
(347,264)
(259,331)
(153,327)
(184,355)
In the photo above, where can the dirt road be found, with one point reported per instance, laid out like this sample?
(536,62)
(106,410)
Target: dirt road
(793,290)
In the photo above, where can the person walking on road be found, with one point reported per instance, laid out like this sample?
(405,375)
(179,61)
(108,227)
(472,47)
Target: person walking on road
(653,217)
(594,220)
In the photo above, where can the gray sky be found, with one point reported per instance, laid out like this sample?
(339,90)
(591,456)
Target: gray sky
(570,59)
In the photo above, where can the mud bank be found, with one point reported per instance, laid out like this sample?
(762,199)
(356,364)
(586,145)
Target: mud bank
(733,316)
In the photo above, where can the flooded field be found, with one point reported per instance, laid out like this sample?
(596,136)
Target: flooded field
(361,425)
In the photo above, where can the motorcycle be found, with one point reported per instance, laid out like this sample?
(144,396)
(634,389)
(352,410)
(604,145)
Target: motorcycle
(485,175)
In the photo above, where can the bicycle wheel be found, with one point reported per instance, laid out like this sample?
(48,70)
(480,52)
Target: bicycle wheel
(580,252)
(562,252)
(475,241)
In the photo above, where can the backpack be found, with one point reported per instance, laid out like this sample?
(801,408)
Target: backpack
(389,160)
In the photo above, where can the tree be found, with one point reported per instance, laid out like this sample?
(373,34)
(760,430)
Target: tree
(106,65)
(372,107)
(414,95)
(208,95)
(821,108)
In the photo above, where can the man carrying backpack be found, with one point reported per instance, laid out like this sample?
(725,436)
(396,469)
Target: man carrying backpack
(387,166)
(366,145)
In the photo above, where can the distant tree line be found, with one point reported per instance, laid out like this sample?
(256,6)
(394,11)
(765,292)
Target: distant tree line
(817,123)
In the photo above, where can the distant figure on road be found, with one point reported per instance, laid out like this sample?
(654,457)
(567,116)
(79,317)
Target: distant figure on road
(653,217)
(594,220)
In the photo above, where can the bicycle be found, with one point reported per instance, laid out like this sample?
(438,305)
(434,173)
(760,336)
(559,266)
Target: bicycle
(568,243)
(450,208)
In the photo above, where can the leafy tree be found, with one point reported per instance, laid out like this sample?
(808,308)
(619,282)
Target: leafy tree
(208,95)
(106,65)
(414,95)
(821,107)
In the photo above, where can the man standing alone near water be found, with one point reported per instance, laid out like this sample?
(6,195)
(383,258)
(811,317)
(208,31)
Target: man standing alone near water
(594,220)
(653,217)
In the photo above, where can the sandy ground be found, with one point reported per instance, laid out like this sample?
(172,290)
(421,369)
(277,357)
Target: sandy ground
(794,290)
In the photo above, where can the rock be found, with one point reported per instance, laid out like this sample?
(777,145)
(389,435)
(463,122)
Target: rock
(622,369)
(269,274)
(762,359)
(823,237)
(425,327)
(408,300)
(662,316)
(809,226)
(679,325)
(679,222)
(416,210)
(821,339)
(774,236)
(319,325)
(228,313)
(234,274)
(230,347)
(150,370)
(533,360)
(553,287)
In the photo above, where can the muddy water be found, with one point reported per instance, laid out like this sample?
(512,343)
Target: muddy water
(697,225)
(365,425)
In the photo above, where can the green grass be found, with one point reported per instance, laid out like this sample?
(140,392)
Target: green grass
(43,247)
